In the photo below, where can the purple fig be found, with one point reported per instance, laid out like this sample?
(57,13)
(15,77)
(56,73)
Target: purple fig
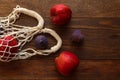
(77,36)
(41,42)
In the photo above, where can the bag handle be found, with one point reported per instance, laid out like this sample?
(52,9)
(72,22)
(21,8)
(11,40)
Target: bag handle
(30,32)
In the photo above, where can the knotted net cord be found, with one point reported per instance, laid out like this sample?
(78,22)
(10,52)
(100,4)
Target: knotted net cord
(23,34)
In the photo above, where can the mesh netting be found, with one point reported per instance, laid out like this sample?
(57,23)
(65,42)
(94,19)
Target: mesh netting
(14,37)
(8,48)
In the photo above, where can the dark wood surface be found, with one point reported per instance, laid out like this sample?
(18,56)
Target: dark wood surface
(99,55)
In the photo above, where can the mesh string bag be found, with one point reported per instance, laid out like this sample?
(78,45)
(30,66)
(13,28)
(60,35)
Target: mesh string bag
(13,37)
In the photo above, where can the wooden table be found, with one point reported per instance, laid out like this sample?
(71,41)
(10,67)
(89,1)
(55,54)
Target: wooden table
(99,20)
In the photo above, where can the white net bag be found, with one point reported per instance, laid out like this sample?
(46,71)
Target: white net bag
(14,37)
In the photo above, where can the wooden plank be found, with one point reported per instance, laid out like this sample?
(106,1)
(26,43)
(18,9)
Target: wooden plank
(90,23)
(101,44)
(98,44)
(101,36)
(91,70)
(80,8)
(44,69)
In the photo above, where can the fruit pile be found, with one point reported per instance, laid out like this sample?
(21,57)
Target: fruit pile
(67,61)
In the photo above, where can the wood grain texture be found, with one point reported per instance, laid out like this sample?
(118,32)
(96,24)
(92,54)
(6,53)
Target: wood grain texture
(99,21)
(44,69)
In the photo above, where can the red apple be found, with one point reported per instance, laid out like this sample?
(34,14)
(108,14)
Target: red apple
(60,14)
(8,48)
(66,63)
